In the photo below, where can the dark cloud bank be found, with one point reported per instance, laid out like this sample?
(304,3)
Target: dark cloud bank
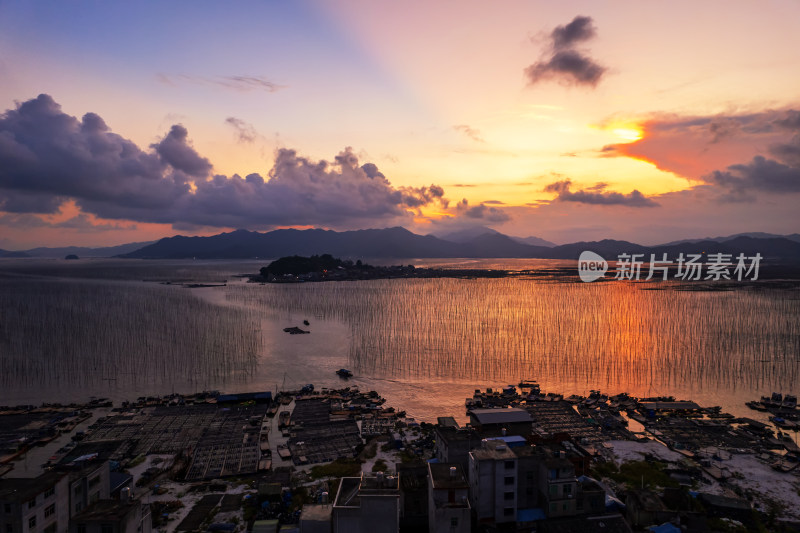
(779,175)
(598,195)
(564,62)
(48,157)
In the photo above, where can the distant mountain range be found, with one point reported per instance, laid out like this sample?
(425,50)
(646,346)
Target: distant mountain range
(755,234)
(469,234)
(401,243)
(9,253)
(80,251)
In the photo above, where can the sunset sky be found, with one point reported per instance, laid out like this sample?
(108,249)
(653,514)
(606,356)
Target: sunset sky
(569,121)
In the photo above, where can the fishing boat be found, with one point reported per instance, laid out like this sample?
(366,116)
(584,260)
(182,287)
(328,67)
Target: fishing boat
(775,400)
(344,373)
(757,406)
(789,402)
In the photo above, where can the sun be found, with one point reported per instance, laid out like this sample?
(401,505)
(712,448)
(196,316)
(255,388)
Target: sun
(628,134)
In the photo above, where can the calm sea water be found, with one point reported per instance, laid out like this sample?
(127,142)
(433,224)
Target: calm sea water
(71,330)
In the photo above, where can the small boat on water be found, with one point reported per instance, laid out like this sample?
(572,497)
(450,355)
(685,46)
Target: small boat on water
(344,373)
(775,400)
(789,402)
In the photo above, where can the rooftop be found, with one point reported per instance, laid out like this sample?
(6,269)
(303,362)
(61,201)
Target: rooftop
(23,489)
(317,512)
(447,421)
(494,450)
(347,495)
(589,524)
(351,489)
(106,510)
(447,476)
(379,483)
(500,416)
(453,434)
(413,476)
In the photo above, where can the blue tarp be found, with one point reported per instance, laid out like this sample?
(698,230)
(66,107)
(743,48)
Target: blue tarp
(665,528)
(530,515)
(513,440)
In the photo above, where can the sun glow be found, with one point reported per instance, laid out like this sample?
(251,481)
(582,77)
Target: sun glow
(628,134)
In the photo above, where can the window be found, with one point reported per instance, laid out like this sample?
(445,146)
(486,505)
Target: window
(9,528)
(32,503)
(553,473)
(509,465)
(78,489)
(78,507)
(564,507)
(508,496)
(94,481)
(529,475)
(509,480)
(454,522)
(94,497)
(51,528)
(50,510)
(8,508)
(32,523)
(81,528)
(567,489)
(50,492)
(553,490)
(508,511)
(106,528)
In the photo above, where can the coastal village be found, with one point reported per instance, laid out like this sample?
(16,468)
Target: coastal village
(341,460)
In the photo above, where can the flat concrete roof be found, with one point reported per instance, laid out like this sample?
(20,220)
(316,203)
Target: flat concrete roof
(501,416)
(493,449)
(317,512)
(447,476)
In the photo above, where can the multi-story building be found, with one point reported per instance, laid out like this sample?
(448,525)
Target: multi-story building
(558,488)
(493,482)
(35,505)
(369,504)
(89,482)
(448,499)
(413,496)
(453,444)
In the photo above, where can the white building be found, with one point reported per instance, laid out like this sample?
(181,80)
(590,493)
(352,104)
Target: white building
(35,505)
(493,482)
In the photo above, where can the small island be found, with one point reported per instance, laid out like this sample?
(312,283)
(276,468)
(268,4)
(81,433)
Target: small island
(325,267)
